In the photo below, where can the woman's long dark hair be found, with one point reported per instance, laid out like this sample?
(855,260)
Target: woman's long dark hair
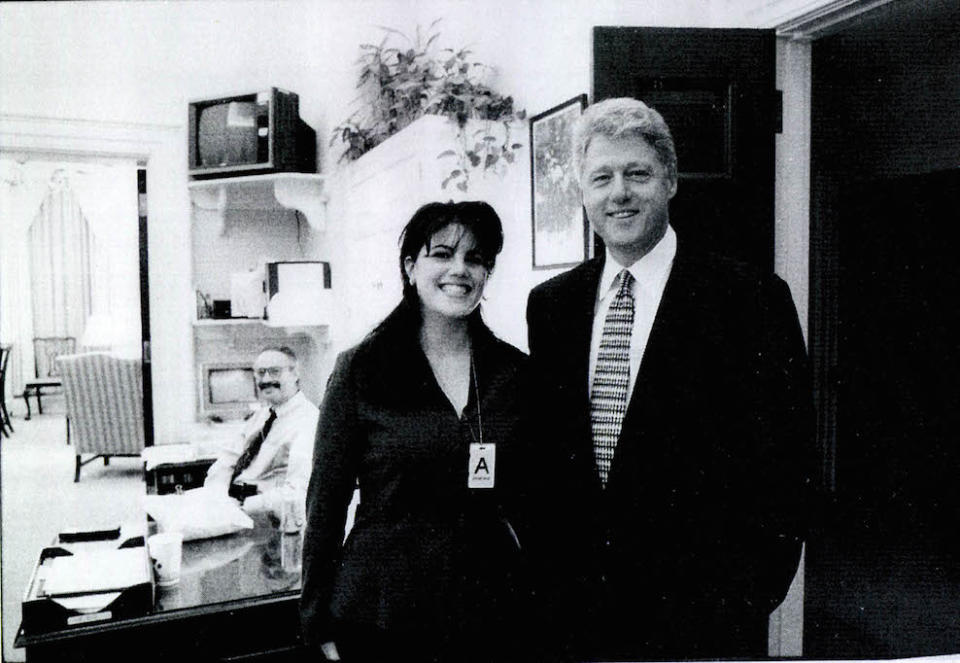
(476,216)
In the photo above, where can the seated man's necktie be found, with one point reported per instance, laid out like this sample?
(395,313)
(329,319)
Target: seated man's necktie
(253,446)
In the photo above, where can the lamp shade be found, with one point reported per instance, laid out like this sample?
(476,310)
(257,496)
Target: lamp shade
(100,332)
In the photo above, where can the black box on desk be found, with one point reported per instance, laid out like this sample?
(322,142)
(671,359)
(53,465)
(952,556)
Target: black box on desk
(167,478)
(44,612)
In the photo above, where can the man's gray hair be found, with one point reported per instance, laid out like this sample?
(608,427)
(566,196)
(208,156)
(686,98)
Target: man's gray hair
(619,117)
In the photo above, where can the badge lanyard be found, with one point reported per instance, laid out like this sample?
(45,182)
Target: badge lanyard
(481,466)
(476,390)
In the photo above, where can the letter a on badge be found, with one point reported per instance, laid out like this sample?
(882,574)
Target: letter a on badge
(482,466)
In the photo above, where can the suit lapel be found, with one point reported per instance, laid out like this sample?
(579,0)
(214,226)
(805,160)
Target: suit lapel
(582,304)
(577,326)
(663,333)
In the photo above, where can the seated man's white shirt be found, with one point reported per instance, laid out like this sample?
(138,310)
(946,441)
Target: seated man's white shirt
(282,466)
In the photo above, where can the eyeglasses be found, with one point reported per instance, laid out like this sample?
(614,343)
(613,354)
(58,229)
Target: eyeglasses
(273,371)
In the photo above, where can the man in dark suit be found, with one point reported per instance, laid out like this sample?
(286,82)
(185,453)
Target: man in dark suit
(675,388)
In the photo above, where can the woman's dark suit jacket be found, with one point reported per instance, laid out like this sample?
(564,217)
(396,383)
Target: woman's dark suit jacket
(425,553)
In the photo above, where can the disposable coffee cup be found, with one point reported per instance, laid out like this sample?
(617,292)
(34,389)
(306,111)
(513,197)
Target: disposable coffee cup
(166,550)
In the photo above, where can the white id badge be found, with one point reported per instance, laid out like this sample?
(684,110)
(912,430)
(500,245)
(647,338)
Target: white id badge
(480,472)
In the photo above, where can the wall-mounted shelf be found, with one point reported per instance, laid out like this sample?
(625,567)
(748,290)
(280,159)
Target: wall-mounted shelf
(300,191)
(235,322)
(226,322)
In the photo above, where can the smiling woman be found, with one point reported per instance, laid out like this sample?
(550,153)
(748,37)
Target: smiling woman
(427,415)
(451,273)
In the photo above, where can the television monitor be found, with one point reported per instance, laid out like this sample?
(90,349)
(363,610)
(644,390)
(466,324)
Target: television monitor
(249,134)
(228,390)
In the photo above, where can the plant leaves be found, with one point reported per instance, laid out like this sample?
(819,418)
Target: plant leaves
(400,81)
(393,31)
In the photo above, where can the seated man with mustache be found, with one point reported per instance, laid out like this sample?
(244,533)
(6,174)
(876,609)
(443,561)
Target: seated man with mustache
(272,459)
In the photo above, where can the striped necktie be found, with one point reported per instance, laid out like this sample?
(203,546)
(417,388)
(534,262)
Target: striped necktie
(611,377)
(253,446)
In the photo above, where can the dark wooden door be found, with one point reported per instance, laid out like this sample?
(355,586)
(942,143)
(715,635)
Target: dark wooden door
(716,90)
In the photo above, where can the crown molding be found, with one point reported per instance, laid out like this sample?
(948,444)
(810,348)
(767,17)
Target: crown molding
(824,19)
(77,135)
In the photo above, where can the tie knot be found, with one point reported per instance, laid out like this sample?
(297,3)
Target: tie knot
(626,283)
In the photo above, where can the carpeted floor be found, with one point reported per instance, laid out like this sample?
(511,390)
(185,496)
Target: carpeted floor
(38,498)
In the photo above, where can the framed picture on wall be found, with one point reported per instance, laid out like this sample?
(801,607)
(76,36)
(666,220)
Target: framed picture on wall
(560,230)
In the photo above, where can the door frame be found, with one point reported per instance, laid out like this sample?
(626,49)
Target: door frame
(75,138)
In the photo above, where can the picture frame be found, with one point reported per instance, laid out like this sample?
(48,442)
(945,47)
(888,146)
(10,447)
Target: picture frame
(559,224)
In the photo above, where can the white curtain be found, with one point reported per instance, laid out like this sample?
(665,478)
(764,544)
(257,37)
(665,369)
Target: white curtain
(63,263)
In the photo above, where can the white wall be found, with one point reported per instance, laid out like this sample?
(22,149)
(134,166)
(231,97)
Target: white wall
(141,61)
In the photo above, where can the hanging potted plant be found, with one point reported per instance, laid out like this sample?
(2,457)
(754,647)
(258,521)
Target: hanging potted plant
(401,83)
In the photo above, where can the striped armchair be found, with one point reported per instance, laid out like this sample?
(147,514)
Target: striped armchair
(104,403)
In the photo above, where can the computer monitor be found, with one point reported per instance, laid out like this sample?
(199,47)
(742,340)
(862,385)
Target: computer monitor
(228,390)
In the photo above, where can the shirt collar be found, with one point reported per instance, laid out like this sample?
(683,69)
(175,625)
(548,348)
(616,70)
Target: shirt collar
(648,269)
(289,404)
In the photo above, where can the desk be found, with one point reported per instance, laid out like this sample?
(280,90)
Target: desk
(236,600)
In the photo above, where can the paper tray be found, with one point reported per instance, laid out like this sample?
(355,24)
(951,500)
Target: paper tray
(43,613)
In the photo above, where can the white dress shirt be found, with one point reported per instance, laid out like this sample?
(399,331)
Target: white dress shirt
(282,466)
(650,275)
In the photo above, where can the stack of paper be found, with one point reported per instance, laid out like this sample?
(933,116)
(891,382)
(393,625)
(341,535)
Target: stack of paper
(96,572)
